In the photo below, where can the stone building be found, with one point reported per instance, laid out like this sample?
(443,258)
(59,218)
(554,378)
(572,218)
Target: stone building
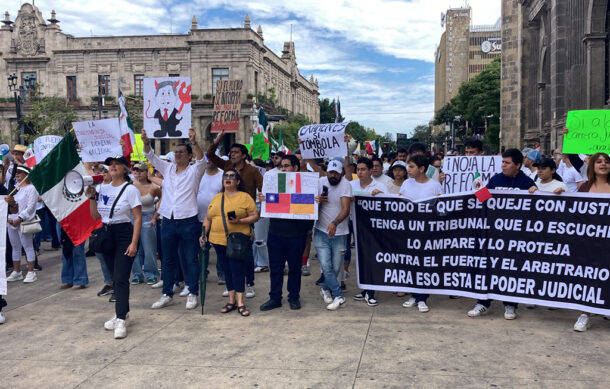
(76,68)
(555,59)
(462,53)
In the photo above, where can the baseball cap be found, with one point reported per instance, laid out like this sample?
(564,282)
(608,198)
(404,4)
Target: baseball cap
(335,166)
(546,162)
(118,158)
(526,151)
(534,155)
(399,163)
(141,166)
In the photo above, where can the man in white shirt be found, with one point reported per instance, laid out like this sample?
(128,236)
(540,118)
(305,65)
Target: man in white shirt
(181,227)
(331,230)
(377,172)
(530,162)
(365,184)
(569,173)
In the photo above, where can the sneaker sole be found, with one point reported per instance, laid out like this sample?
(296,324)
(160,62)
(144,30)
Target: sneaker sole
(163,306)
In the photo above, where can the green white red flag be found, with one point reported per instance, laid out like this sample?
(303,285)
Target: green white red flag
(480,190)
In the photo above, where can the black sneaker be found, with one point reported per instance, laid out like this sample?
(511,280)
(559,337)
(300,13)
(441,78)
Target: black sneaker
(294,304)
(37,267)
(112,298)
(107,289)
(359,296)
(320,280)
(270,304)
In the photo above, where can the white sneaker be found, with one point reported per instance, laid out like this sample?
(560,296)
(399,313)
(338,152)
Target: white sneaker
(111,324)
(15,276)
(191,301)
(337,303)
(409,303)
(582,323)
(176,288)
(510,312)
(2,318)
(185,291)
(478,310)
(164,301)
(326,296)
(250,292)
(30,277)
(120,329)
(422,306)
(158,285)
(225,293)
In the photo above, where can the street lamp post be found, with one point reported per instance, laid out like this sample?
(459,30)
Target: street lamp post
(12,85)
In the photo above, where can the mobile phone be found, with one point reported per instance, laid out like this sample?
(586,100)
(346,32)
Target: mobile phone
(231,215)
(325,190)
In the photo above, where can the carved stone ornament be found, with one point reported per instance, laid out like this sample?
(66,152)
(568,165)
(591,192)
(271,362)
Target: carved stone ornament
(28,42)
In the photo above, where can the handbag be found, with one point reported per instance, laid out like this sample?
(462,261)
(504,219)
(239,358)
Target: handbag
(101,239)
(239,245)
(31,226)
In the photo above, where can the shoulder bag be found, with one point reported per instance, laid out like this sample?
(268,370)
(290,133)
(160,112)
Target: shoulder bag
(31,226)
(101,239)
(238,245)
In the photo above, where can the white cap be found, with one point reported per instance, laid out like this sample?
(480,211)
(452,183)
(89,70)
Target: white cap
(225,157)
(399,163)
(335,166)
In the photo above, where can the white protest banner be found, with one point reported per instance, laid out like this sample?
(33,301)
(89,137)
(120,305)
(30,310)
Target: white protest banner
(44,144)
(460,171)
(98,139)
(290,195)
(323,140)
(3,211)
(167,107)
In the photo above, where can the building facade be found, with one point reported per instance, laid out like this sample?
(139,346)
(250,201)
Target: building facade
(555,59)
(78,68)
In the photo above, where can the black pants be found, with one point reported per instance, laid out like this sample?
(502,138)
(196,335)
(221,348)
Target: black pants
(119,265)
(487,303)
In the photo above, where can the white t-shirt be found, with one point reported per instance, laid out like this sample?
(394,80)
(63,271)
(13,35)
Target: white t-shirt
(209,186)
(327,212)
(570,176)
(415,191)
(123,210)
(551,186)
(393,189)
(357,189)
(387,181)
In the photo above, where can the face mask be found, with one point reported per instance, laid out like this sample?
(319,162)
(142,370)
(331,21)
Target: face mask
(334,181)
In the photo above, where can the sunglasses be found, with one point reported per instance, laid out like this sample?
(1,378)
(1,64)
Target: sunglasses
(229,176)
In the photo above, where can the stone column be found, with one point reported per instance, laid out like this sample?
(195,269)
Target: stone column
(596,70)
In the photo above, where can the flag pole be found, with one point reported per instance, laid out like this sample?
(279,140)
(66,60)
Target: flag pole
(17,186)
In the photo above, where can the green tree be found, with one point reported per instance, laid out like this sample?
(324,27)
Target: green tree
(48,116)
(290,129)
(327,111)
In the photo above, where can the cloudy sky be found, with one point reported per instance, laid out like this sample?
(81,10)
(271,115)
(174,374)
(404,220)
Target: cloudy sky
(377,56)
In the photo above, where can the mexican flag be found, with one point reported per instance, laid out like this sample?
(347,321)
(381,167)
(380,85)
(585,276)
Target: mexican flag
(126,127)
(72,212)
(480,191)
(372,146)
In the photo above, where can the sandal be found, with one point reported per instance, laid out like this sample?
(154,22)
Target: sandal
(243,310)
(228,307)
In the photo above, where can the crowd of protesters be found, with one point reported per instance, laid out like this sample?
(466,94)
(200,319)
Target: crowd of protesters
(170,207)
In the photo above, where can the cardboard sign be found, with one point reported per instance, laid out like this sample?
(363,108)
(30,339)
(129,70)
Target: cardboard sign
(588,132)
(44,144)
(138,149)
(227,106)
(167,107)
(260,149)
(290,195)
(460,171)
(98,139)
(323,140)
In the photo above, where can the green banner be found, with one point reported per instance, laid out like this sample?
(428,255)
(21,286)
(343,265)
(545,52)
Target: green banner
(588,132)
(260,149)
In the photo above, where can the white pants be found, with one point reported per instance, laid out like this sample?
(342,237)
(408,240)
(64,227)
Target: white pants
(17,240)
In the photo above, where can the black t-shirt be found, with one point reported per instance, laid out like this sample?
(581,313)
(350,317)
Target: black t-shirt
(288,228)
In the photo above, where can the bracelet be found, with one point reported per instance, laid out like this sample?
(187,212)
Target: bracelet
(335,223)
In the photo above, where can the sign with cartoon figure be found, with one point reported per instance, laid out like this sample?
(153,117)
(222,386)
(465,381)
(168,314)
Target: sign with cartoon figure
(167,107)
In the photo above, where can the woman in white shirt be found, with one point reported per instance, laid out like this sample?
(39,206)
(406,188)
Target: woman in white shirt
(398,173)
(22,207)
(118,203)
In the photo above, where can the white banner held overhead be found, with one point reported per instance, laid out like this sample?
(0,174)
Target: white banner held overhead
(323,140)
(44,144)
(460,171)
(98,139)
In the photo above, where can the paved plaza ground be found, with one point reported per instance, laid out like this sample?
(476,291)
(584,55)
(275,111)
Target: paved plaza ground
(55,339)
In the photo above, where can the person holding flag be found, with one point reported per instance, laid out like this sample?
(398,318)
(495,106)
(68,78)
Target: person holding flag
(128,139)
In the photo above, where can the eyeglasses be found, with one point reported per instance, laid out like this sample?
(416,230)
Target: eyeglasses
(229,176)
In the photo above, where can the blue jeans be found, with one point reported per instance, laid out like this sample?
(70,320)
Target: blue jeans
(282,250)
(145,263)
(261,253)
(74,269)
(330,254)
(234,269)
(183,234)
(105,272)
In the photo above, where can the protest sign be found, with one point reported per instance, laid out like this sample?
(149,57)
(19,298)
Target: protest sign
(588,132)
(290,195)
(260,149)
(44,144)
(138,149)
(460,171)
(227,105)
(167,107)
(99,139)
(539,249)
(323,140)
(3,212)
